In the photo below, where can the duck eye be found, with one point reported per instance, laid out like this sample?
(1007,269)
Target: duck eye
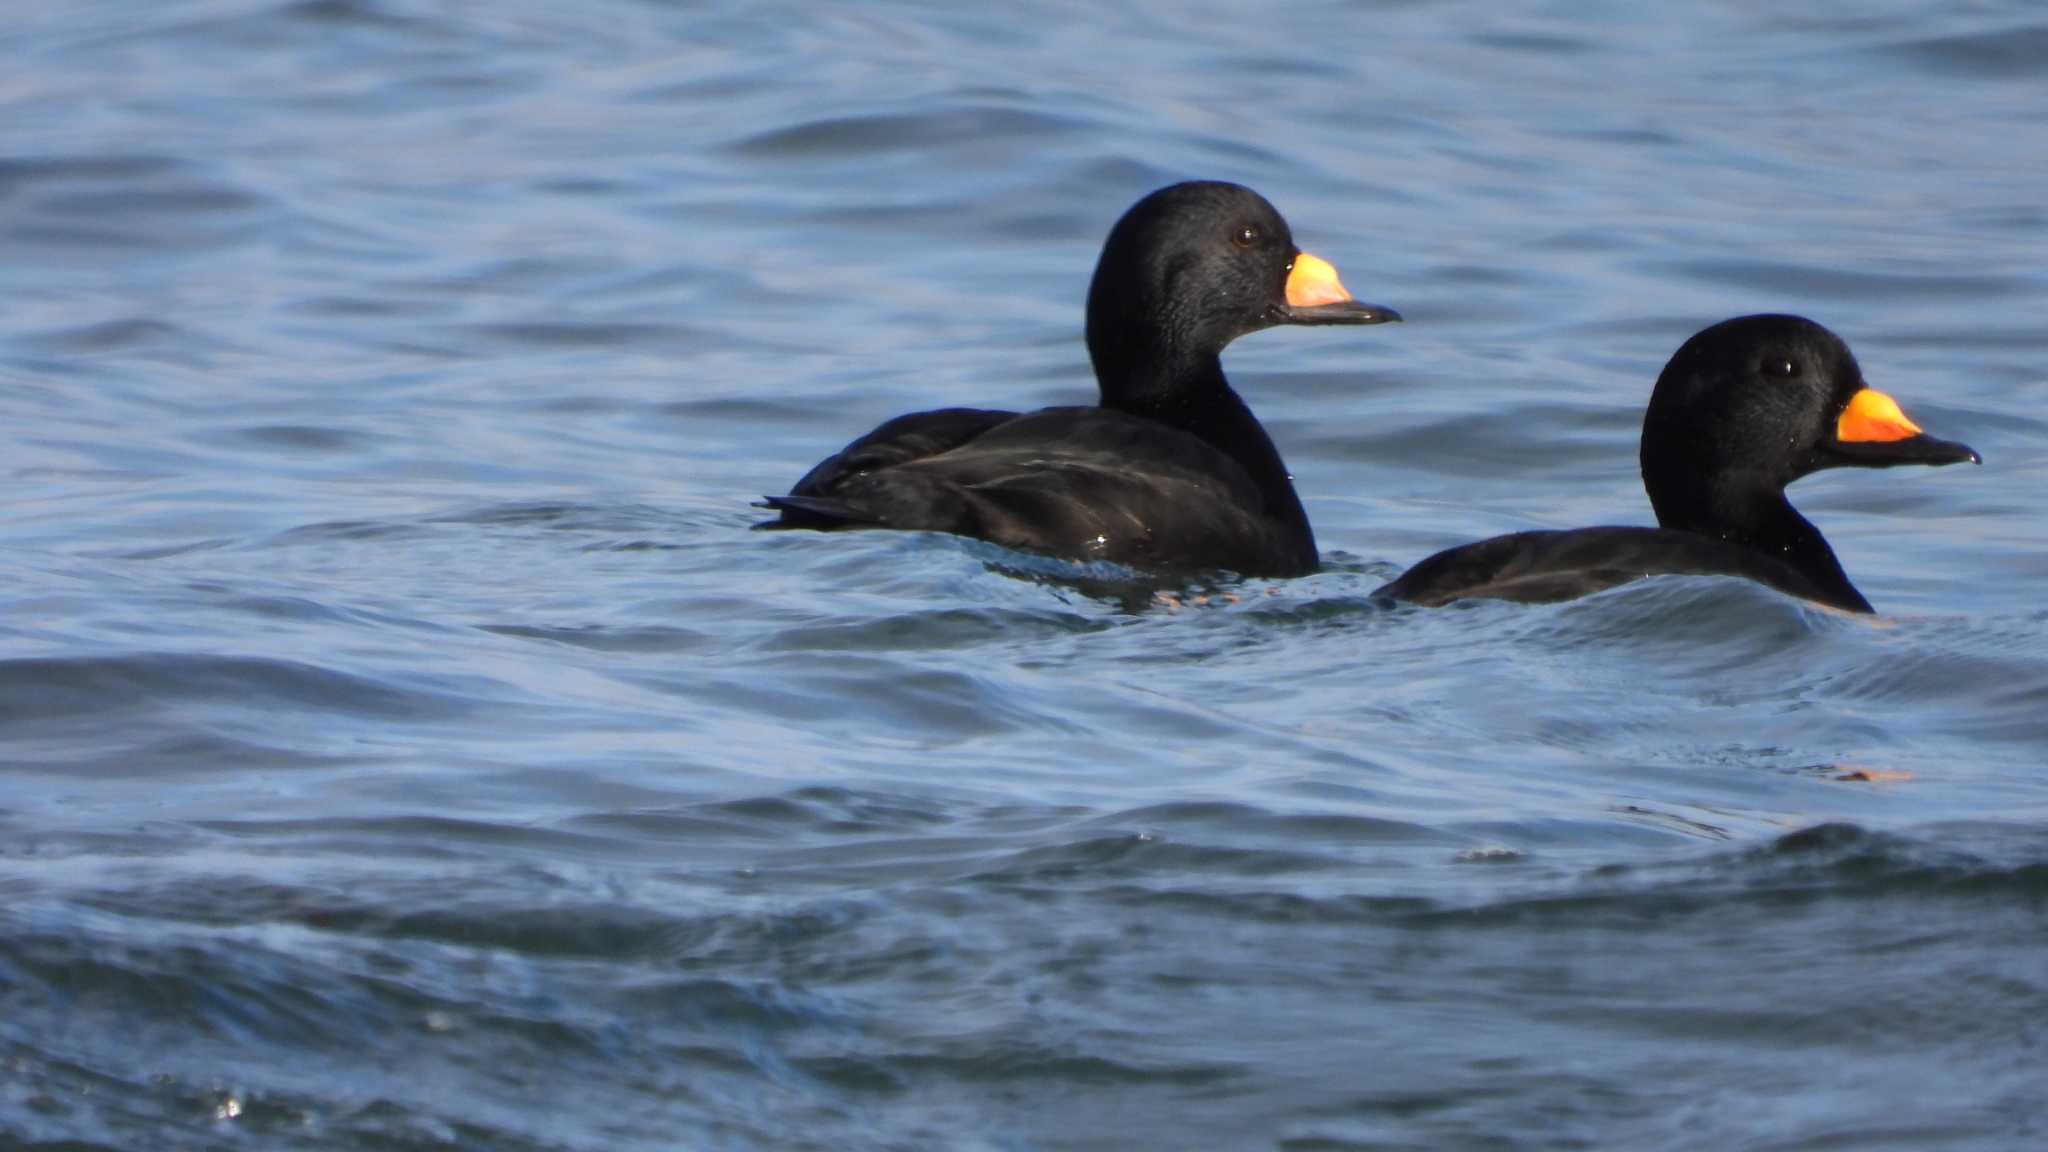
(1245,237)
(1780,367)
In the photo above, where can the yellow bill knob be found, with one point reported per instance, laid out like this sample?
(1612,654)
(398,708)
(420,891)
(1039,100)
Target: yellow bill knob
(1871,417)
(1314,282)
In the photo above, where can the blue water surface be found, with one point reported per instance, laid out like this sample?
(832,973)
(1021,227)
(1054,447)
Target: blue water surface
(404,742)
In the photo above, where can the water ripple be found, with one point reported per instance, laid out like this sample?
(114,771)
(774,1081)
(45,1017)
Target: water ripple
(406,743)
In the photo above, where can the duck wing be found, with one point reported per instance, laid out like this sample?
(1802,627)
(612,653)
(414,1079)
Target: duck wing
(1078,483)
(1548,566)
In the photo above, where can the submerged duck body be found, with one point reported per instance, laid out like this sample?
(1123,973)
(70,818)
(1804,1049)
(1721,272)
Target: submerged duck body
(1743,409)
(1172,471)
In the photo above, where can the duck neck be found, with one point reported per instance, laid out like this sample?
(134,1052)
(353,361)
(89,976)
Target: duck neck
(1767,523)
(1193,396)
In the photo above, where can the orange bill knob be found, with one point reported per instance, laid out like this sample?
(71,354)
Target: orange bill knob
(1873,417)
(1313,282)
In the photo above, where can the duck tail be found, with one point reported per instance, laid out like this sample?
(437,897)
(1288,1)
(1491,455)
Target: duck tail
(818,513)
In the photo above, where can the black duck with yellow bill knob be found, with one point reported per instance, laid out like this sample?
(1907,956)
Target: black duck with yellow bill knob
(1171,472)
(1743,409)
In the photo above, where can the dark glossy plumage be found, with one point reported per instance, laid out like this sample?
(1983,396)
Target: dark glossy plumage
(1172,471)
(1743,409)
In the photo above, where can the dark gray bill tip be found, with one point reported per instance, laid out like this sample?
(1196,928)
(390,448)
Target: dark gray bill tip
(1932,451)
(1920,449)
(1342,312)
